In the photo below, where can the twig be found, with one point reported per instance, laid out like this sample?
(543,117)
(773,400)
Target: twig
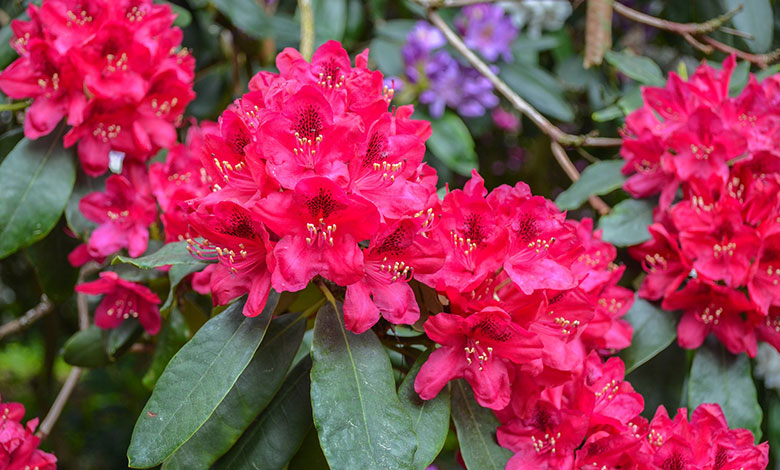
(568,167)
(14,106)
(679,28)
(307,28)
(75,373)
(519,103)
(761,60)
(43,308)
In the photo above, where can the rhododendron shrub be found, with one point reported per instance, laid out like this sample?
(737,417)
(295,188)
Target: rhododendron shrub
(314,269)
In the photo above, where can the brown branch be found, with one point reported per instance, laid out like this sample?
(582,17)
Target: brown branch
(761,60)
(43,308)
(679,28)
(519,103)
(75,373)
(568,168)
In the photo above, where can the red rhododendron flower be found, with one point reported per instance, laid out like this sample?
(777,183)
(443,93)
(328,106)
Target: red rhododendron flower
(123,216)
(112,67)
(122,300)
(18,445)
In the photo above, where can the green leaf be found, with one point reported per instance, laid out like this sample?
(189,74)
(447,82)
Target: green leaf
(119,339)
(395,30)
(719,377)
(175,275)
(757,19)
(55,274)
(169,254)
(607,114)
(9,139)
(272,440)
(476,427)
(627,223)
(654,331)
(452,143)
(539,88)
(767,72)
(248,397)
(600,178)
(171,338)
(7,53)
(359,419)
(196,381)
(309,456)
(430,418)
(631,100)
(183,16)
(773,423)
(36,179)
(641,69)
(247,15)
(387,56)
(739,78)
(330,19)
(86,349)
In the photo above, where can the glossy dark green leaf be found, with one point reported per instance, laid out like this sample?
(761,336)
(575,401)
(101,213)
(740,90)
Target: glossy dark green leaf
(430,418)
(654,331)
(719,377)
(55,274)
(274,437)
(396,30)
(86,349)
(172,337)
(739,78)
(330,19)
(387,56)
(7,53)
(170,253)
(119,339)
(36,179)
(773,423)
(452,143)
(539,88)
(247,15)
(175,275)
(196,381)
(641,69)
(10,138)
(249,396)
(476,427)
(599,178)
(756,19)
(627,223)
(359,419)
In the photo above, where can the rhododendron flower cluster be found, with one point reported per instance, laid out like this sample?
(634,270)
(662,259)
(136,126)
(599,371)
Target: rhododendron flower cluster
(714,252)
(18,445)
(112,68)
(592,422)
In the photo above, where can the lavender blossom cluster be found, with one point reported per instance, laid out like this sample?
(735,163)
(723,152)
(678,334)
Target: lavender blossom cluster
(441,80)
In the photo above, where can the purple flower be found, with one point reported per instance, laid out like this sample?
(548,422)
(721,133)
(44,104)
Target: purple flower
(487,29)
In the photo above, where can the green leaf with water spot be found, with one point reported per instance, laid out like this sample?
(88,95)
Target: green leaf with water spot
(196,381)
(36,179)
(359,418)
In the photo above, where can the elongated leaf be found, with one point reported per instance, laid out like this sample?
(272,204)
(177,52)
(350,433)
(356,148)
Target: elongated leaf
(309,456)
(195,382)
(171,338)
(359,419)
(719,377)
(119,339)
(773,423)
(627,223)
(452,143)
(476,427)
(430,418)
(36,179)
(11,137)
(175,275)
(387,56)
(247,15)
(86,349)
(272,440)
(641,69)
(79,224)
(654,330)
(55,274)
(539,88)
(756,19)
(248,397)
(170,253)
(600,178)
